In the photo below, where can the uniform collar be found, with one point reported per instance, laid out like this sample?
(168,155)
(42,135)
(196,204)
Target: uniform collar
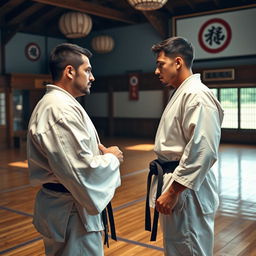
(188,79)
(51,87)
(184,84)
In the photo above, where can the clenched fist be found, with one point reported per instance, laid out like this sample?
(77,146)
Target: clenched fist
(113,150)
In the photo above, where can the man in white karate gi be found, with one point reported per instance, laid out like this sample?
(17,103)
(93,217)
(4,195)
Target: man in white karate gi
(78,174)
(189,132)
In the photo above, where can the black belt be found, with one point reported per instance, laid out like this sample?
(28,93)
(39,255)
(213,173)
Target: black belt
(156,168)
(56,187)
(107,212)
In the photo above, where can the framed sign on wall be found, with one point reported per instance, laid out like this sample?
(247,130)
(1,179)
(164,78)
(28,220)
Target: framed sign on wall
(32,51)
(134,86)
(219,34)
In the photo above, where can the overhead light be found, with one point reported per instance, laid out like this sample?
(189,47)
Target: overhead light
(147,5)
(75,24)
(102,44)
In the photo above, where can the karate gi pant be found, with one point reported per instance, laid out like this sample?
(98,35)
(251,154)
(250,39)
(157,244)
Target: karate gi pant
(187,231)
(78,242)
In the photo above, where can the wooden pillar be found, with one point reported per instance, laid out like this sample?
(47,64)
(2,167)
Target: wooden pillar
(2,46)
(3,71)
(9,116)
(6,36)
(111,127)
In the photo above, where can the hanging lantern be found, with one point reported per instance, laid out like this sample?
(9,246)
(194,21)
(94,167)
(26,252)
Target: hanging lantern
(147,5)
(75,24)
(103,44)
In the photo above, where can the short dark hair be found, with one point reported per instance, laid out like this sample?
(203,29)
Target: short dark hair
(174,47)
(66,54)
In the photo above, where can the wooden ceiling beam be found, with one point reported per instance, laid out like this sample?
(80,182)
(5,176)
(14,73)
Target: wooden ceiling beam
(190,4)
(158,21)
(217,3)
(8,33)
(20,15)
(8,6)
(169,7)
(91,8)
(43,17)
(26,18)
(53,24)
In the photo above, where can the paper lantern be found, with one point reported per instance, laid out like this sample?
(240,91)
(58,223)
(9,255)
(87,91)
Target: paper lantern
(75,24)
(103,44)
(147,5)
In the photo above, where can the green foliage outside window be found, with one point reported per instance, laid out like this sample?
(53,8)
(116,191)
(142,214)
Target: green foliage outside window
(239,106)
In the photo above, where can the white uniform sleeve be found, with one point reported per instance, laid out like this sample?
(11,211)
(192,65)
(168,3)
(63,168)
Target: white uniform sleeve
(201,128)
(91,178)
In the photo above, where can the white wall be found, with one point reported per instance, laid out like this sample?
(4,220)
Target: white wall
(149,105)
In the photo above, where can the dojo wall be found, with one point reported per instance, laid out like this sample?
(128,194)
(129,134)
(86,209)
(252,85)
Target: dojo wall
(132,50)
(113,112)
(15,59)
(134,118)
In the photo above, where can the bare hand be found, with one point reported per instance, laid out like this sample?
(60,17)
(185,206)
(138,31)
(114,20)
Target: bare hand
(113,150)
(166,202)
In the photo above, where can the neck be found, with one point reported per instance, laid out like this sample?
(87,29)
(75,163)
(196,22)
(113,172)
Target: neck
(184,74)
(65,87)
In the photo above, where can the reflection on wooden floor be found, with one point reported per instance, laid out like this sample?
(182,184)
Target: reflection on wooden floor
(235,233)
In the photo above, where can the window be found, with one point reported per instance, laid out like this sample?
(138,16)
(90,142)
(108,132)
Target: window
(17,110)
(248,108)
(229,102)
(239,106)
(2,109)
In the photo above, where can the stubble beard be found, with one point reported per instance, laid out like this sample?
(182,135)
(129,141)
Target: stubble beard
(165,84)
(87,91)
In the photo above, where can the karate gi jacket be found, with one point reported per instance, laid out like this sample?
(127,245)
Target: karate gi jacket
(190,131)
(62,147)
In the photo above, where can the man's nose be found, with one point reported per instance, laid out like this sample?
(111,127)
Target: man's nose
(157,72)
(92,78)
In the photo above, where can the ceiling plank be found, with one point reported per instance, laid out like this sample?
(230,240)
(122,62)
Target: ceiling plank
(53,24)
(22,15)
(169,7)
(158,21)
(217,3)
(10,33)
(190,4)
(91,8)
(43,17)
(8,6)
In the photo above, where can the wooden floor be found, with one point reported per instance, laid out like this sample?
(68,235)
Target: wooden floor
(235,233)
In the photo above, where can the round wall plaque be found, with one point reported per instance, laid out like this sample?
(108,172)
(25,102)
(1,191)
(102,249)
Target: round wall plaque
(32,51)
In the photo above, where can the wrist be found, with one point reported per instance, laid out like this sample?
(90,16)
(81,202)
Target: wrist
(176,188)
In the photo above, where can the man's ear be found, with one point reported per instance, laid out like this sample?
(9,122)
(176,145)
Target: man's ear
(179,62)
(69,72)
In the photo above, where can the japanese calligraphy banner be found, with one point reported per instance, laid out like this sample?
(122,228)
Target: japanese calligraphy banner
(134,86)
(219,35)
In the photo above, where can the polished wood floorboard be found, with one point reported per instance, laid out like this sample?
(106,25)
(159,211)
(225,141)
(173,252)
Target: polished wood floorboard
(235,229)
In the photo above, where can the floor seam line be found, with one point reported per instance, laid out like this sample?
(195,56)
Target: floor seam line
(129,203)
(20,245)
(16,211)
(139,243)
(28,185)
